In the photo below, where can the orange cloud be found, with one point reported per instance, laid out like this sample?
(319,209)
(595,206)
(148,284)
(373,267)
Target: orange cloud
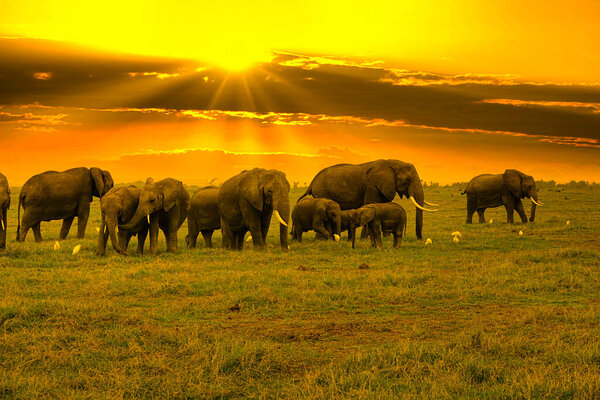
(593,107)
(43,76)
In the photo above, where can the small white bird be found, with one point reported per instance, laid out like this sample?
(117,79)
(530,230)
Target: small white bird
(56,245)
(249,238)
(428,241)
(336,237)
(76,249)
(456,233)
(491,220)
(455,240)
(520,233)
(568,222)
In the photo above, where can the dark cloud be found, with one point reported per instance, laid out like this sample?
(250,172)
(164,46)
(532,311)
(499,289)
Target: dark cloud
(74,77)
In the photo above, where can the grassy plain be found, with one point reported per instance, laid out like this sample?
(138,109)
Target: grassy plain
(496,316)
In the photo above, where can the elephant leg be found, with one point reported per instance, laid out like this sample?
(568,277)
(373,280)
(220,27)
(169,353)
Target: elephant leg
(239,240)
(364,233)
(3,231)
(256,232)
(509,204)
(153,235)
(171,234)
(82,218)
(141,240)
(521,210)
(397,240)
(378,233)
(319,227)
(480,212)
(192,237)
(371,231)
(65,228)
(37,233)
(471,207)
(127,240)
(207,235)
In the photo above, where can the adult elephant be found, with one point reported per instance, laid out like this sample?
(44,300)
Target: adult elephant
(246,203)
(4,206)
(354,185)
(118,207)
(165,204)
(507,189)
(60,195)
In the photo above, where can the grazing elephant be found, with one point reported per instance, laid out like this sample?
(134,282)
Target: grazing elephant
(380,217)
(4,206)
(487,191)
(324,216)
(117,207)
(353,186)
(203,216)
(60,195)
(246,203)
(165,204)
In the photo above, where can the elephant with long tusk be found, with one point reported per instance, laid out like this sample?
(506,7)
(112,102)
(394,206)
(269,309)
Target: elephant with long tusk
(247,202)
(354,185)
(4,206)
(507,189)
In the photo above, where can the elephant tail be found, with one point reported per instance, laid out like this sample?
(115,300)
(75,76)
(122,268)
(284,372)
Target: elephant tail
(308,191)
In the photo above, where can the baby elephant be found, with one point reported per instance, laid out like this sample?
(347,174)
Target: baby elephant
(118,206)
(319,215)
(386,217)
(203,216)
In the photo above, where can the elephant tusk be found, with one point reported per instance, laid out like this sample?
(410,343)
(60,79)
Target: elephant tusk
(148,217)
(2,223)
(419,206)
(430,204)
(281,221)
(536,203)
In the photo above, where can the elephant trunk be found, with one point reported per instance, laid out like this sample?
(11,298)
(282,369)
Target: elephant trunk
(416,190)
(338,225)
(111,225)
(533,205)
(137,217)
(283,208)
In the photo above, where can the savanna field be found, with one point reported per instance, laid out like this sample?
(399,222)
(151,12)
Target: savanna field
(496,315)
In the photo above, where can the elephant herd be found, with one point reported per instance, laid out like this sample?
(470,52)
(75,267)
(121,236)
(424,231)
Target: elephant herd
(344,197)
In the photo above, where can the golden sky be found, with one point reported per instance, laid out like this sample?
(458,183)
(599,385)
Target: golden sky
(201,90)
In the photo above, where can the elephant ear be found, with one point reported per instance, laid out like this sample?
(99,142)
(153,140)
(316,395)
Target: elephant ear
(98,181)
(108,181)
(383,178)
(169,197)
(366,215)
(512,181)
(251,191)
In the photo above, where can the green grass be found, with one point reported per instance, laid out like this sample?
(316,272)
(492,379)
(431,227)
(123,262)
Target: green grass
(495,316)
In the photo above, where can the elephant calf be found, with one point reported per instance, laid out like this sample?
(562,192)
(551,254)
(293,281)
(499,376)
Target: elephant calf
(380,217)
(117,207)
(203,216)
(319,215)
(4,206)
